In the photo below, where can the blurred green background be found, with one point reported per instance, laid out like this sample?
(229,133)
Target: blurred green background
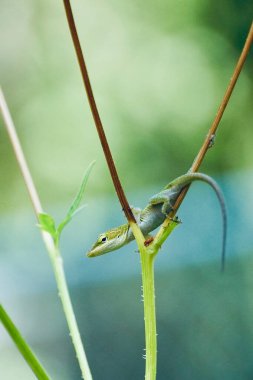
(159,70)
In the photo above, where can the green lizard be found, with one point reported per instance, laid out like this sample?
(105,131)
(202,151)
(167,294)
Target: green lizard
(153,215)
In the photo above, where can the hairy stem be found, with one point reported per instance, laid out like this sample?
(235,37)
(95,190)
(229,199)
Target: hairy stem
(53,252)
(148,284)
(22,346)
(148,289)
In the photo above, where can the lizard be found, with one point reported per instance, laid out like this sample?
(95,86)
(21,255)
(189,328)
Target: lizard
(153,215)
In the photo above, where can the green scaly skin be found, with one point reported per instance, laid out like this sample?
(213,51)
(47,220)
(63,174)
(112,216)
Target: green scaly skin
(153,215)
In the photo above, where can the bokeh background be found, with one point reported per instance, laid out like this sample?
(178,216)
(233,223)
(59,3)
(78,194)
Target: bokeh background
(159,70)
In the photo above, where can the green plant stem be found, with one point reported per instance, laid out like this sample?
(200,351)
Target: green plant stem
(148,289)
(147,265)
(147,256)
(161,236)
(57,264)
(53,252)
(22,346)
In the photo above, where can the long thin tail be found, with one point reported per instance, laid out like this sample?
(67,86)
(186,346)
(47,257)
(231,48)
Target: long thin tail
(190,177)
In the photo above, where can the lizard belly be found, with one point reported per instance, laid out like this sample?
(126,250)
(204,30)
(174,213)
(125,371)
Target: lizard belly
(151,219)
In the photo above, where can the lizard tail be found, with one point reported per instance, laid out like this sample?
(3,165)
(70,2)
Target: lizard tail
(188,178)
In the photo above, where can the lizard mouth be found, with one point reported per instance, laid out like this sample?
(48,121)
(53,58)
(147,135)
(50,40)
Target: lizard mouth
(101,249)
(91,254)
(96,251)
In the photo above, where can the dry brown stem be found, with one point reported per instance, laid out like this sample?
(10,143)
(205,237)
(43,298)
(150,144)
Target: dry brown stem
(107,152)
(211,133)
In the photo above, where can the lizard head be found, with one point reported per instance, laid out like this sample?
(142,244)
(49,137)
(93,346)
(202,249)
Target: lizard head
(109,241)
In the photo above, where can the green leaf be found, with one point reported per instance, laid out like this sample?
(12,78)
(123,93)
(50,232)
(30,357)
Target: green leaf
(76,202)
(63,224)
(78,210)
(47,224)
(74,208)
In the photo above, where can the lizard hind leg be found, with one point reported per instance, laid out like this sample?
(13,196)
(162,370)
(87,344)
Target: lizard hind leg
(164,199)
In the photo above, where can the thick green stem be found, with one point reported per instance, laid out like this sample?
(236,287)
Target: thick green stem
(22,346)
(148,286)
(147,265)
(147,255)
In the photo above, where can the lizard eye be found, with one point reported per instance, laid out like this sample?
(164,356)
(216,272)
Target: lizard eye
(103,239)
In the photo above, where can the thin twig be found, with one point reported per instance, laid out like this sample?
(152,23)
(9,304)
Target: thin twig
(204,148)
(20,155)
(115,178)
(10,128)
(200,156)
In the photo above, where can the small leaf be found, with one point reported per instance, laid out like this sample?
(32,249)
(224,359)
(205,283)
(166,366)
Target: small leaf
(79,195)
(74,208)
(78,210)
(47,224)
(63,224)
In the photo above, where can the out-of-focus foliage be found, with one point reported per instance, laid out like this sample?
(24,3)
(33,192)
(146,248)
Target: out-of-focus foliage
(159,70)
